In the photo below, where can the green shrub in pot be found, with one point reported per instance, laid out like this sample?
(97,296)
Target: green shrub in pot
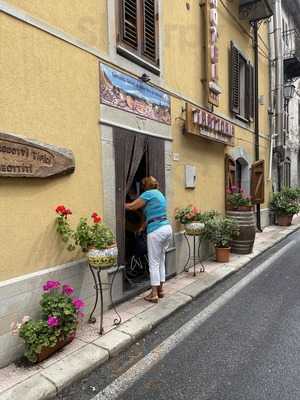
(220,231)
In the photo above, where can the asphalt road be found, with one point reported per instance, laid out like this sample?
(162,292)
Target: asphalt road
(246,349)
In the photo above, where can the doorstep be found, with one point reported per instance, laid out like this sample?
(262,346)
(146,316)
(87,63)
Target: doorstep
(45,380)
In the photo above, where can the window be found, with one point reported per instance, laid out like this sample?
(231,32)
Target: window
(287,173)
(138,32)
(242,86)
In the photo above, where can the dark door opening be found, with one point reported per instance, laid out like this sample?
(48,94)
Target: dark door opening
(136,260)
(136,156)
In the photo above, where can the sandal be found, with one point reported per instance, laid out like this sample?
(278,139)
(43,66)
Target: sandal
(161,294)
(151,298)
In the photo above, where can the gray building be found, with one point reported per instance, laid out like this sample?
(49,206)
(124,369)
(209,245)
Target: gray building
(284,29)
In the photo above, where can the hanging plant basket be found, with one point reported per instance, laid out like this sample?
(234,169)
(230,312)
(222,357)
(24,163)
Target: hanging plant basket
(194,228)
(103,258)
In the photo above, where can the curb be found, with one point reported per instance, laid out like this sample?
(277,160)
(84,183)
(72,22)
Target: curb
(49,382)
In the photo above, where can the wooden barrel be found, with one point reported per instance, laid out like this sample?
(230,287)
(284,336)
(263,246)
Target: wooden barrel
(246,221)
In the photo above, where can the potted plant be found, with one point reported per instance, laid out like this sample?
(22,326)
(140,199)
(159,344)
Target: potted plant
(189,217)
(285,204)
(220,231)
(56,328)
(94,238)
(238,200)
(240,208)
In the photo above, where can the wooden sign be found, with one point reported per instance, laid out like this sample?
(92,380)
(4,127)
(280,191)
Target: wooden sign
(210,126)
(21,157)
(212,52)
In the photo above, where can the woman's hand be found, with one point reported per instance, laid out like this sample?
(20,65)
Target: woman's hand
(135,205)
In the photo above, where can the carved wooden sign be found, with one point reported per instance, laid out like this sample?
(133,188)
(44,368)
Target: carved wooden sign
(28,158)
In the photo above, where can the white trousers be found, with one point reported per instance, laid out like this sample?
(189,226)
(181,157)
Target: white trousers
(158,242)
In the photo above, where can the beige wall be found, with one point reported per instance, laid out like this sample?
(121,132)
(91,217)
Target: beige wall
(49,92)
(86,20)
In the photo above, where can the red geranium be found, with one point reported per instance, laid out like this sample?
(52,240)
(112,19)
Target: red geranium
(96,218)
(63,211)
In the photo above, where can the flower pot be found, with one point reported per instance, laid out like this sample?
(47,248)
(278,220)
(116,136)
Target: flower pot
(103,258)
(222,254)
(194,228)
(247,225)
(284,220)
(46,352)
(241,208)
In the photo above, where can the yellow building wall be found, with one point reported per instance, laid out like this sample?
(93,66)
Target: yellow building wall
(49,93)
(207,157)
(185,70)
(86,20)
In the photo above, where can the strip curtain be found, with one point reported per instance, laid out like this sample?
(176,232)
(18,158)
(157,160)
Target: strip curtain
(129,151)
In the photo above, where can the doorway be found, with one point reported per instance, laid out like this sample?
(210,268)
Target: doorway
(136,156)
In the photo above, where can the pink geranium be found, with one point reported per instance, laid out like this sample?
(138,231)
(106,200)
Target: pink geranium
(53,321)
(78,304)
(68,290)
(49,285)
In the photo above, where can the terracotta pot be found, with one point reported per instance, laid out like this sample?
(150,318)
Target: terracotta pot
(48,351)
(194,228)
(243,244)
(222,254)
(284,220)
(103,258)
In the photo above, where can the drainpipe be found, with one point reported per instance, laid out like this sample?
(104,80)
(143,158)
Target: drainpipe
(278,80)
(256,116)
(271,95)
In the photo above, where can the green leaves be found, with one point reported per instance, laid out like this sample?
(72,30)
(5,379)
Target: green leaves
(221,230)
(286,202)
(96,235)
(39,334)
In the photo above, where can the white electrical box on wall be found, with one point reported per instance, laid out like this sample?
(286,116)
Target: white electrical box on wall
(190,177)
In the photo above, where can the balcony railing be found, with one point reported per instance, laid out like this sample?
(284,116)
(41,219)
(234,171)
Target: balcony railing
(291,54)
(254,10)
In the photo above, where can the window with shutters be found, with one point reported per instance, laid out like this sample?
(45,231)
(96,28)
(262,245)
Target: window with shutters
(138,32)
(242,86)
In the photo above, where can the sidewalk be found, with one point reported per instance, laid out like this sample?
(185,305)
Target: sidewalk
(89,350)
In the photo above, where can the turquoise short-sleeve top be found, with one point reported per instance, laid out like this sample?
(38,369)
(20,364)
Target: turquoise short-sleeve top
(156,206)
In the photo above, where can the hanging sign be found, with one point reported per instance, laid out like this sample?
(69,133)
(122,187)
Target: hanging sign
(133,95)
(202,123)
(26,158)
(212,52)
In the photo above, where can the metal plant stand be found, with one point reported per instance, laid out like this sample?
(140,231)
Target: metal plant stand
(96,272)
(193,259)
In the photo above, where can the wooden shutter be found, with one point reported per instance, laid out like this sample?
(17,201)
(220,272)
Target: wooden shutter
(230,173)
(250,92)
(258,182)
(150,30)
(235,80)
(129,22)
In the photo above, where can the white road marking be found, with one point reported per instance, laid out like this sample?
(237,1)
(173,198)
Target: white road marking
(125,381)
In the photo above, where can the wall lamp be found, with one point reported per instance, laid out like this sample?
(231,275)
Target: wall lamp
(289,91)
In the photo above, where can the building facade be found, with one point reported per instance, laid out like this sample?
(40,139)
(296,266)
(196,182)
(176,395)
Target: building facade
(131,88)
(284,30)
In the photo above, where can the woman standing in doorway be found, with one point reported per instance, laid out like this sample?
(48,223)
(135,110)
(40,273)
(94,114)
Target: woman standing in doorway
(159,233)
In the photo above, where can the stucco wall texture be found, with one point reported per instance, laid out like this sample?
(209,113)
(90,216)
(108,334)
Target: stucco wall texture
(50,92)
